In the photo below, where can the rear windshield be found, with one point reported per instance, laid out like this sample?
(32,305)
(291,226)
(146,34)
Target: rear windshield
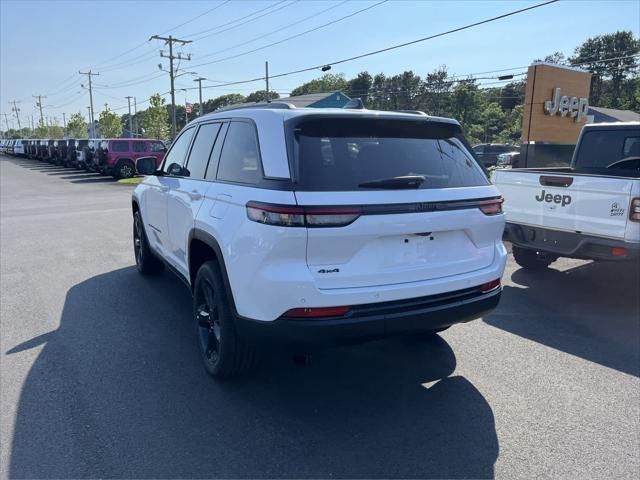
(609,151)
(340,154)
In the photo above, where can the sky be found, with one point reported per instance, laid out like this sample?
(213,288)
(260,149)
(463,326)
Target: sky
(43,44)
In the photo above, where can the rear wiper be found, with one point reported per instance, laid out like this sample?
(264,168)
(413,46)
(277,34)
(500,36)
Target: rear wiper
(407,181)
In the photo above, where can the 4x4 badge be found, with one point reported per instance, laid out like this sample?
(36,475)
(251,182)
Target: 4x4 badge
(331,270)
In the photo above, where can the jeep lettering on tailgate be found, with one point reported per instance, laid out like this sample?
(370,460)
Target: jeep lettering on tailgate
(563,200)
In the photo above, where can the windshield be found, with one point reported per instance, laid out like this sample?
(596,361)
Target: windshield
(339,154)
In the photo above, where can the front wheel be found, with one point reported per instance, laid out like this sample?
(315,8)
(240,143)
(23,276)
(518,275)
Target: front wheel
(225,354)
(125,169)
(532,259)
(146,262)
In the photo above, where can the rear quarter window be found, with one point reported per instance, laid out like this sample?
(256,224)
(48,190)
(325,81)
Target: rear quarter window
(337,154)
(119,146)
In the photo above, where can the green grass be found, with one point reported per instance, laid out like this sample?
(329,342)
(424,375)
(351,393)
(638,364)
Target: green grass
(133,181)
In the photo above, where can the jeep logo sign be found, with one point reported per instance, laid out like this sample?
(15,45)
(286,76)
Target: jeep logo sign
(563,105)
(563,200)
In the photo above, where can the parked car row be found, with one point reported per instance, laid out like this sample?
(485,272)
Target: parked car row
(115,156)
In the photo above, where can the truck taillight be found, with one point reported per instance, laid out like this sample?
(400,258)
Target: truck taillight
(634,210)
(491,207)
(295,216)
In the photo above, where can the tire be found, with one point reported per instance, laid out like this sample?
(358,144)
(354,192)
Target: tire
(124,169)
(532,259)
(224,353)
(146,262)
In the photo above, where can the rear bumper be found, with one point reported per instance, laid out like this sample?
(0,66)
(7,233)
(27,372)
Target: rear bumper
(373,321)
(569,244)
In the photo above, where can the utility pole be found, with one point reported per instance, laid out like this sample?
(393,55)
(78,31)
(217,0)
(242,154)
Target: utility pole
(170,41)
(39,104)
(135,114)
(64,123)
(89,74)
(130,120)
(266,78)
(199,80)
(17,112)
(90,124)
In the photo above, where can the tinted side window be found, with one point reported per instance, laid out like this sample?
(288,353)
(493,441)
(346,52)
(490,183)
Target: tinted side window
(138,146)
(120,146)
(178,150)
(156,146)
(201,150)
(240,161)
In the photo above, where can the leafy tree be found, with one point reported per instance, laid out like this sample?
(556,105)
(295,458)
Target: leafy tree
(41,131)
(435,92)
(77,126)
(326,83)
(110,123)
(619,46)
(555,57)
(261,96)
(223,101)
(155,119)
(465,102)
(360,86)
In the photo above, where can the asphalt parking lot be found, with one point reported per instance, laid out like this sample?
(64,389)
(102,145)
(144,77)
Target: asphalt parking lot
(100,375)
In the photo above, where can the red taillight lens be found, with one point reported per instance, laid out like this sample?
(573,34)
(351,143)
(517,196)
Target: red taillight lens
(491,207)
(618,252)
(485,287)
(281,215)
(294,216)
(634,210)
(317,312)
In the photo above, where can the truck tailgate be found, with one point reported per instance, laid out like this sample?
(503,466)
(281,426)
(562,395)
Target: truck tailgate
(589,204)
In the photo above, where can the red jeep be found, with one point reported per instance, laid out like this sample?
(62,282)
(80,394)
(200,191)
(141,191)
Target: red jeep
(118,156)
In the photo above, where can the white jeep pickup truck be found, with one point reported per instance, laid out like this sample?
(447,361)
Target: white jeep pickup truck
(590,210)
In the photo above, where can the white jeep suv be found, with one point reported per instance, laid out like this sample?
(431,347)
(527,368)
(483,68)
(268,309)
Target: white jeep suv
(320,226)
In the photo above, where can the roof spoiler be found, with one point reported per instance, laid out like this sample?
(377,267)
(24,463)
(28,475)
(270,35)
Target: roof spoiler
(355,104)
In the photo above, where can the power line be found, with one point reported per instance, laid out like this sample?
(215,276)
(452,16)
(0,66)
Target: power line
(196,17)
(189,35)
(289,25)
(375,52)
(293,36)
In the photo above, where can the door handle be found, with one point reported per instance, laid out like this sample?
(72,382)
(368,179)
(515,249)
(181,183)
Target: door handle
(194,195)
(549,181)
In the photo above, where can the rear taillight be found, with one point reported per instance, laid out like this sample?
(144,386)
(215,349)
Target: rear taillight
(634,210)
(491,207)
(317,312)
(485,287)
(295,216)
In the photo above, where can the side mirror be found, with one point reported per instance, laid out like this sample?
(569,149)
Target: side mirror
(146,165)
(175,170)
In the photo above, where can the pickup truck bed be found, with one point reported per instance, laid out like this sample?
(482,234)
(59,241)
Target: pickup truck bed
(589,210)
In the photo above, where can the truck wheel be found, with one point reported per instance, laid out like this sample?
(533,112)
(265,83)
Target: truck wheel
(532,259)
(146,262)
(225,354)
(124,169)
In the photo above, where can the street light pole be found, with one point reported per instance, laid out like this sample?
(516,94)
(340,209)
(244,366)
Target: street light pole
(266,78)
(130,120)
(199,80)
(135,114)
(17,111)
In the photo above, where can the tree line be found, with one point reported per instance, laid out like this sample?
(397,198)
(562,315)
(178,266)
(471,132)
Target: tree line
(488,114)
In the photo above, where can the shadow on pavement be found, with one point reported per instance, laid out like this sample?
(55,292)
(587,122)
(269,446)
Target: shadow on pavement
(596,312)
(101,179)
(118,391)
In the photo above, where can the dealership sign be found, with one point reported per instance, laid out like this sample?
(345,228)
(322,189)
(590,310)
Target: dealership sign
(564,105)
